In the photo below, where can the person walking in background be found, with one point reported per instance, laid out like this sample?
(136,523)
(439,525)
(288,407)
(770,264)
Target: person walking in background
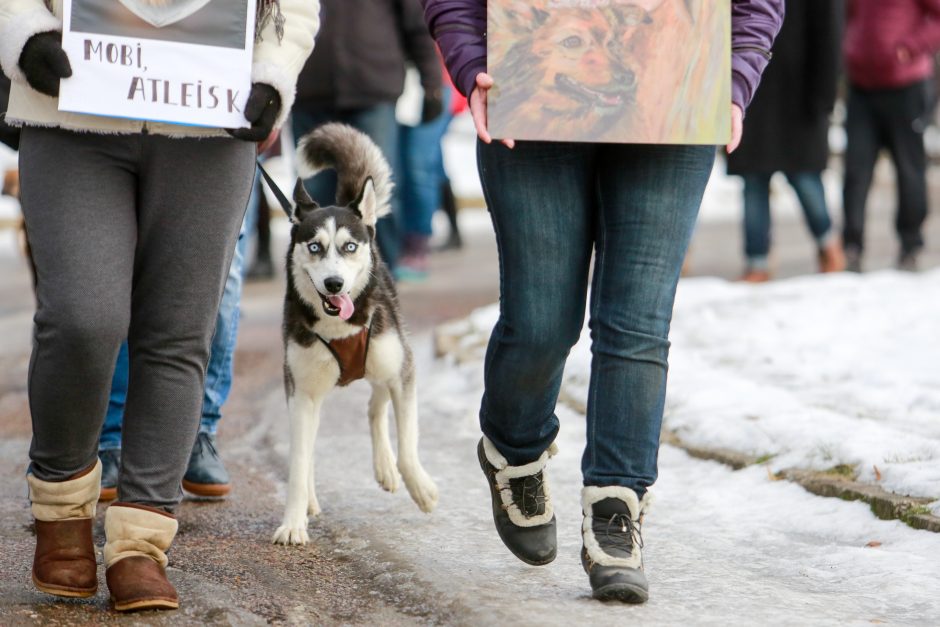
(889,47)
(355,76)
(553,204)
(421,182)
(132,225)
(787,130)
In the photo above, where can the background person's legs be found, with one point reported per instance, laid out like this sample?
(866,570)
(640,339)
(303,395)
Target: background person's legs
(905,114)
(863,132)
(757,223)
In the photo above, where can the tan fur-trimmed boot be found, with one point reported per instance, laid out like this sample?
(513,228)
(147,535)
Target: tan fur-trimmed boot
(138,537)
(64,563)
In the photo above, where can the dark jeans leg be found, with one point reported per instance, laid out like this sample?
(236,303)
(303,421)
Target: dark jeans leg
(757,219)
(861,153)
(541,197)
(810,190)
(649,197)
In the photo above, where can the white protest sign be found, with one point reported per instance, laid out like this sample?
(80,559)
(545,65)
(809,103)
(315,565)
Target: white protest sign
(179,61)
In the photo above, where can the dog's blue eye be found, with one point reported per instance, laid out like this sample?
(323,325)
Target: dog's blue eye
(571,42)
(314,248)
(350,247)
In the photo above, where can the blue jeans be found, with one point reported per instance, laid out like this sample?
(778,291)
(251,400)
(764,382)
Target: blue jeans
(422,171)
(812,195)
(379,123)
(552,206)
(218,370)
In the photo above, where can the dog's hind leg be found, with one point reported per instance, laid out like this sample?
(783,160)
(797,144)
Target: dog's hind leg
(404,398)
(383,459)
(304,420)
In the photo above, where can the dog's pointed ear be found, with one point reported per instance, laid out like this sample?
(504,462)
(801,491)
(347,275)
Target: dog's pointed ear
(303,203)
(367,204)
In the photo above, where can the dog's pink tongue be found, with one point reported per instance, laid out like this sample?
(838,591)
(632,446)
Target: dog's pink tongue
(344,304)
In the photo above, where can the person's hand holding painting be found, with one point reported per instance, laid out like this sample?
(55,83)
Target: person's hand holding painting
(478,109)
(737,128)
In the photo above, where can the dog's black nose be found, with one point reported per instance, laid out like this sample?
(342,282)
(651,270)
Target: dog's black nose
(333,284)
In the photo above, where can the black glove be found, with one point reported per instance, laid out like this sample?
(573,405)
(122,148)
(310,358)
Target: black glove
(264,103)
(433,106)
(45,63)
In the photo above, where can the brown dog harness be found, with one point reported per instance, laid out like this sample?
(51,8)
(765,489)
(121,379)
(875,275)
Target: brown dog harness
(350,353)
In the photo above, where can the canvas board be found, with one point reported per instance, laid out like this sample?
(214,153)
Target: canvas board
(185,62)
(627,71)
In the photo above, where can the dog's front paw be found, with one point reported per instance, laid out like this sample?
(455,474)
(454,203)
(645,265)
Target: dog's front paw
(385,472)
(422,489)
(291,532)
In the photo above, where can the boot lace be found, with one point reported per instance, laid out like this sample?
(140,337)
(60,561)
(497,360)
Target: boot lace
(528,493)
(619,532)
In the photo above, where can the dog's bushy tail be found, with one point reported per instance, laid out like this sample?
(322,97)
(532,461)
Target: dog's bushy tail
(353,155)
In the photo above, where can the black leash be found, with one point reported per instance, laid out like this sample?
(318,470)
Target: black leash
(281,198)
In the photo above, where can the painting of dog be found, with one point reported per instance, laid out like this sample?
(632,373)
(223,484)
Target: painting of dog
(632,71)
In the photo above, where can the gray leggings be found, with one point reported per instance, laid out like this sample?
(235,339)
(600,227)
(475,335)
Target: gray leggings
(132,236)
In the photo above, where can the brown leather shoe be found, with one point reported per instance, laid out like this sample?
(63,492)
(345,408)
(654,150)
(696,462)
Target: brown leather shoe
(832,257)
(755,276)
(64,564)
(139,583)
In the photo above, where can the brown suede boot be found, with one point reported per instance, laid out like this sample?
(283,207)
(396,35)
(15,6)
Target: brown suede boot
(135,554)
(64,563)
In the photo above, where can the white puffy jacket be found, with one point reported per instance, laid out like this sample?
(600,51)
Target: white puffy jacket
(276,62)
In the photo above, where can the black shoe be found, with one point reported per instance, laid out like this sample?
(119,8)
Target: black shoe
(522,509)
(110,466)
(853,259)
(611,554)
(206,474)
(907,262)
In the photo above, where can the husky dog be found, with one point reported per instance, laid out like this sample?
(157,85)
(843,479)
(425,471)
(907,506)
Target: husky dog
(341,322)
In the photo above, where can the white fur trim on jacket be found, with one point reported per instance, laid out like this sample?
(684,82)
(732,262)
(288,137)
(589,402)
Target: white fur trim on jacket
(16,33)
(131,531)
(505,472)
(591,495)
(52,501)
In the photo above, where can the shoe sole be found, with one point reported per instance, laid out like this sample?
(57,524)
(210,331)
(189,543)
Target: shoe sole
(146,604)
(498,503)
(71,593)
(207,489)
(623,592)
(107,494)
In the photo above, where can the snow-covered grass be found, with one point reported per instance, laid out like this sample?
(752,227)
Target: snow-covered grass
(811,373)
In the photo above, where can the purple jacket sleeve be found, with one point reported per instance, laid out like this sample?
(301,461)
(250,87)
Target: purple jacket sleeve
(926,38)
(754,25)
(459,27)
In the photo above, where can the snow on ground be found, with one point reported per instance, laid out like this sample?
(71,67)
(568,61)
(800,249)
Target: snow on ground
(722,547)
(813,372)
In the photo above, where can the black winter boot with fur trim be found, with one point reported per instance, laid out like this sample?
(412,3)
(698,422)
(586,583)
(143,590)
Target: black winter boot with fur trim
(611,554)
(522,507)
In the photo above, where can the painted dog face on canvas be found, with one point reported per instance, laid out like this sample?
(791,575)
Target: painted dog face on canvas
(571,68)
